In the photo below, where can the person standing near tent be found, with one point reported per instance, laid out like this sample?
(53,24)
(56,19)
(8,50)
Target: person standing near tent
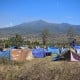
(73,43)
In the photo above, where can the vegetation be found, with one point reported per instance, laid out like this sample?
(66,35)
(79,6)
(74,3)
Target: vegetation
(38,69)
(47,38)
(41,69)
(71,34)
(45,35)
(16,41)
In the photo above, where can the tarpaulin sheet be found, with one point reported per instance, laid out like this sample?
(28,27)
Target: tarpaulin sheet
(77,49)
(53,50)
(39,53)
(75,57)
(5,54)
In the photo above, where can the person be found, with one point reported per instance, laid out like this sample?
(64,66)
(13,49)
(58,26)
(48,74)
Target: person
(73,43)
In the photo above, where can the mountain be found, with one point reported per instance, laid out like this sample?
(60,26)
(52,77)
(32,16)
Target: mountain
(37,26)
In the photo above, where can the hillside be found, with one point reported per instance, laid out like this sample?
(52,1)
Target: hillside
(37,26)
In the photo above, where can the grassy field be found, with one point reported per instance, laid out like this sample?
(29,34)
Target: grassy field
(40,69)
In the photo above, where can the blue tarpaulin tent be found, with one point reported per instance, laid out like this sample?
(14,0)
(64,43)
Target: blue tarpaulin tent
(47,52)
(39,53)
(53,50)
(5,54)
(77,47)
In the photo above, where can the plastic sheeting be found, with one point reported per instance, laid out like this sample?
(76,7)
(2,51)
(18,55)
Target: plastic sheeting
(75,57)
(77,49)
(53,50)
(20,55)
(67,56)
(39,53)
(64,49)
(5,54)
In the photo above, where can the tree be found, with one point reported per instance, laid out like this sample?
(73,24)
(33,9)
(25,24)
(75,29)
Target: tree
(28,42)
(36,43)
(70,34)
(44,35)
(16,41)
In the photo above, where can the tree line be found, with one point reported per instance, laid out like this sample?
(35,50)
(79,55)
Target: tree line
(17,40)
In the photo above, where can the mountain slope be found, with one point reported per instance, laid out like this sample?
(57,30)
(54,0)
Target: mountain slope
(37,26)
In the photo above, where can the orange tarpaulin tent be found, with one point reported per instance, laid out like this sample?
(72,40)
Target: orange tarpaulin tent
(21,54)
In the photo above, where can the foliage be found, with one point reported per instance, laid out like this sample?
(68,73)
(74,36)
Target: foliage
(71,34)
(16,41)
(44,35)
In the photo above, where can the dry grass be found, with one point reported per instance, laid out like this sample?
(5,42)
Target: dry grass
(40,69)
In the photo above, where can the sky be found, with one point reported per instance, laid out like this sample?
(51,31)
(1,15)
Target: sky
(14,12)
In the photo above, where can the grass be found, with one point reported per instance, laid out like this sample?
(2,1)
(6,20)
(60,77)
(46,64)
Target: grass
(40,69)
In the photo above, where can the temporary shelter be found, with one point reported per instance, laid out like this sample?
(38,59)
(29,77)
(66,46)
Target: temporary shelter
(64,56)
(64,49)
(21,55)
(75,57)
(69,55)
(29,56)
(16,54)
(39,53)
(77,48)
(5,54)
(53,50)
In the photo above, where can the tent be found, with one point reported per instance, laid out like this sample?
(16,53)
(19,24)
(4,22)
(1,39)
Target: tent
(5,54)
(75,57)
(63,56)
(29,56)
(69,55)
(17,54)
(47,53)
(53,50)
(64,49)
(39,53)
(77,48)
(21,55)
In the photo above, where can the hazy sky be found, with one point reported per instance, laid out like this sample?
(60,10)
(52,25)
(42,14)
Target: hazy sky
(14,12)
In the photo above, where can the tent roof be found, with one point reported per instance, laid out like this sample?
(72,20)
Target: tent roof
(77,47)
